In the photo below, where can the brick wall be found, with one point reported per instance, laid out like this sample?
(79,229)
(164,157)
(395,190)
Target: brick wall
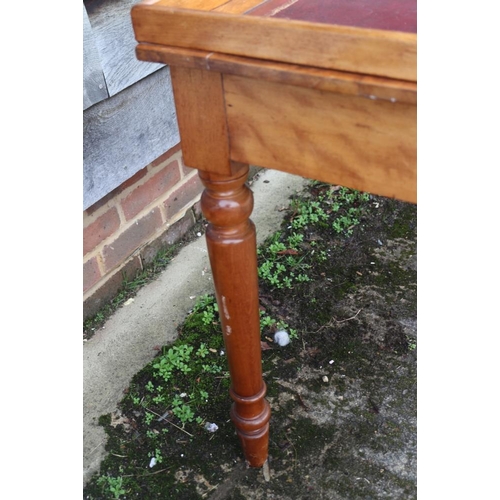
(125,229)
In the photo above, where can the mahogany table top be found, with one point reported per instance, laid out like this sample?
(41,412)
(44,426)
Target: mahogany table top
(371,37)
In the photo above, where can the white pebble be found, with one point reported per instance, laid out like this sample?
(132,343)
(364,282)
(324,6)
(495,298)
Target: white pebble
(211,427)
(330,362)
(325,378)
(281,338)
(153,462)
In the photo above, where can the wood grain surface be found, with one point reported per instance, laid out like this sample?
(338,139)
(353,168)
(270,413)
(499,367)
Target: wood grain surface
(292,74)
(199,102)
(233,6)
(114,39)
(366,51)
(238,6)
(94,86)
(362,143)
(124,133)
(227,204)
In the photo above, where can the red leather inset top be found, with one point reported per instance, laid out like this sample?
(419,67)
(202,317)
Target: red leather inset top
(393,15)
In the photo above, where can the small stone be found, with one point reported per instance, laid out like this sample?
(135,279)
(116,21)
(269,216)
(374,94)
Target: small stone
(210,427)
(325,378)
(282,338)
(266,472)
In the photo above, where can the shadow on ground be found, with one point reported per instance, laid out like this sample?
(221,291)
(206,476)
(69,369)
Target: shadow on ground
(342,393)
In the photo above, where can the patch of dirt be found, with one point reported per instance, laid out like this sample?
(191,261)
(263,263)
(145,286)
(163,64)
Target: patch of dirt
(342,394)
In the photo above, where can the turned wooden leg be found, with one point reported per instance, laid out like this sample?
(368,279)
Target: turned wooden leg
(227,204)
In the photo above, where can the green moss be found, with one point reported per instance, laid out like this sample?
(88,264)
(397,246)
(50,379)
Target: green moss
(401,220)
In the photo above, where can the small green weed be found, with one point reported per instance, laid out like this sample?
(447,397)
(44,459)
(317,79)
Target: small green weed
(113,485)
(212,368)
(202,351)
(285,259)
(347,204)
(268,324)
(307,212)
(206,305)
(182,411)
(281,264)
(157,455)
(175,358)
(412,343)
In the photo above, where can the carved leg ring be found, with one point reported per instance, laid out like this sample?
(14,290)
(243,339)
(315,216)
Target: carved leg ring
(227,204)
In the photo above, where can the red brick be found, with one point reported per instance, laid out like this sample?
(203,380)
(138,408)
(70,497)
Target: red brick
(134,179)
(109,288)
(185,170)
(171,236)
(100,229)
(183,196)
(112,194)
(91,274)
(155,187)
(131,239)
(165,156)
(131,181)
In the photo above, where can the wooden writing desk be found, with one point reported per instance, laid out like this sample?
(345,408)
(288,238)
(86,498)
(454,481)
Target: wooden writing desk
(325,89)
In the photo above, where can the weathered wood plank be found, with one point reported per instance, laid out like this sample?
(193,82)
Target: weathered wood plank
(124,133)
(344,48)
(94,86)
(199,101)
(114,39)
(358,142)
